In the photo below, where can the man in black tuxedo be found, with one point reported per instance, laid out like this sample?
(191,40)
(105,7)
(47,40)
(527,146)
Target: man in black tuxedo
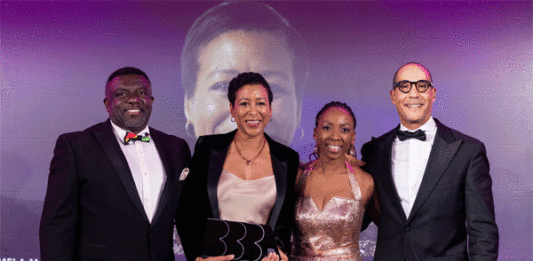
(433,182)
(113,188)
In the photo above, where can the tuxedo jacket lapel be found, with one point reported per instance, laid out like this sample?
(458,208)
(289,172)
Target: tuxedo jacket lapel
(385,155)
(280,168)
(169,170)
(442,152)
(217,157)
(216,163)
(108,141)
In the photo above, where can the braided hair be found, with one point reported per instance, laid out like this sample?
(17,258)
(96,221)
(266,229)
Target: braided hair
(333,104)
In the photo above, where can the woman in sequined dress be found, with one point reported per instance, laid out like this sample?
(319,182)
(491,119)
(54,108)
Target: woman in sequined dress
(331,194)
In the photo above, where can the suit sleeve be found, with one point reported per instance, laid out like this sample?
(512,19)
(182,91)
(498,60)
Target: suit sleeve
(365,157)
(282,231)
(58,230)
(191,215)
(479,207)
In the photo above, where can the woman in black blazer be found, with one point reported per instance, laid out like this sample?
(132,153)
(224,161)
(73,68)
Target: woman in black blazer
(241,176)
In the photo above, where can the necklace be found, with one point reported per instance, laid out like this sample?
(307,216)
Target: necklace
(249,161)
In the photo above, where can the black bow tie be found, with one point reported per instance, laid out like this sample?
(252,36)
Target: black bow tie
(403,135)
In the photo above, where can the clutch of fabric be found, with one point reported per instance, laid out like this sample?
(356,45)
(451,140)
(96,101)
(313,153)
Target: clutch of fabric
(244,240)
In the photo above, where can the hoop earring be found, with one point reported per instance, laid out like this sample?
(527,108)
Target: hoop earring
(232,119)
(352,152)
(189,129)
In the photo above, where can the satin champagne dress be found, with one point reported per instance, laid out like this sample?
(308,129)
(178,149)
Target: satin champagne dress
(249,201)
(331,233)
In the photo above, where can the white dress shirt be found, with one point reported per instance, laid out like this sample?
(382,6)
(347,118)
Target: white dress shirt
(146,168)
(409,160)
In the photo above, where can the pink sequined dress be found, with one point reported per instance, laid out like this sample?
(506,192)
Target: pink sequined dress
(331,233)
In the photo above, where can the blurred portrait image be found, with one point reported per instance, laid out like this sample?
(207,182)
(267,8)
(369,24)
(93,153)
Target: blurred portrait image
(232,38)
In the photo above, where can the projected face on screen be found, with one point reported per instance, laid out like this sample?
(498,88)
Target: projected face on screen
(230,54)
(233,38)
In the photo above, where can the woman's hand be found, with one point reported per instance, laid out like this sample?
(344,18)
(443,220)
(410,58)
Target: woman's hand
(269,257)
(274,257)
(216,258)
(283,256)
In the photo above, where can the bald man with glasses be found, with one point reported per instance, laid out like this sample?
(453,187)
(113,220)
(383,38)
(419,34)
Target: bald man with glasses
(434,185)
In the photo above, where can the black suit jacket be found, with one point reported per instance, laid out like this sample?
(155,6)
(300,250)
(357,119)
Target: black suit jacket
(92,210)
(200,202)
(454,201)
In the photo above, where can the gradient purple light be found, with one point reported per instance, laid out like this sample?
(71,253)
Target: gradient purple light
(56,56)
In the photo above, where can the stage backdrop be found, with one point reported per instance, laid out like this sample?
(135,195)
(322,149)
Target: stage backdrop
(56,56)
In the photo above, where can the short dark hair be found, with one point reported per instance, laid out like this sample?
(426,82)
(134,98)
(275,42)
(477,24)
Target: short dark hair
(127,71)
(397,71)
(245,79)
(335,104)
(249,17)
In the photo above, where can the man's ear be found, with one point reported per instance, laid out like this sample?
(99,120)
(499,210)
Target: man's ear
(106,103)
(392,96)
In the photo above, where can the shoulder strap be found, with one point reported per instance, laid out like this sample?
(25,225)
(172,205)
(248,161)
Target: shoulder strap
(356,190)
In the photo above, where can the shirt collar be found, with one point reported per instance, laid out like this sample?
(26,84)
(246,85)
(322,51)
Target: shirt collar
(430,125)
(120,133)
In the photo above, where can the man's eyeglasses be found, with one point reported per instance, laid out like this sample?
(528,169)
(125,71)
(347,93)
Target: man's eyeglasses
(406,86)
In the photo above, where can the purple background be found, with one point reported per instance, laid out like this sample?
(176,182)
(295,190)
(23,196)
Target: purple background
(56,56)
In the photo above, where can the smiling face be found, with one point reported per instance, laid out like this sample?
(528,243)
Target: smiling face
(334,134)
(414,108)
(225,57)
(129,101)
(251,110)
